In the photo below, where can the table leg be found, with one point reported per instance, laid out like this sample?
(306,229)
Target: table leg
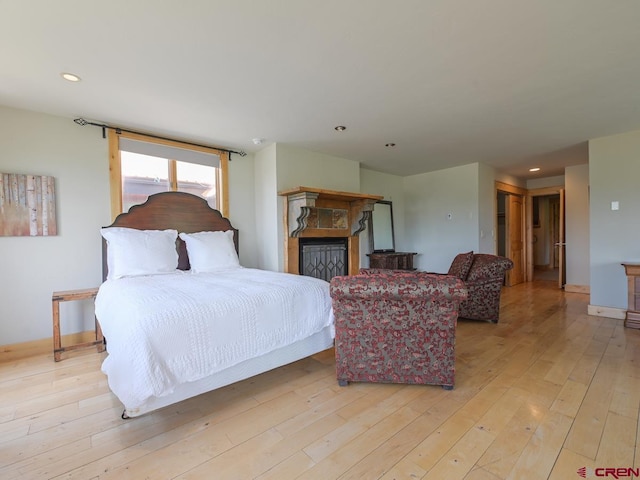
(57,342)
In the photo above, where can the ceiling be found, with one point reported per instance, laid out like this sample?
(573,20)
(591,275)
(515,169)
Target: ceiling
(510,83)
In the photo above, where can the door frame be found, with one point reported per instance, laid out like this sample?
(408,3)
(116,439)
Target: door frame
(527,224)
(541,192)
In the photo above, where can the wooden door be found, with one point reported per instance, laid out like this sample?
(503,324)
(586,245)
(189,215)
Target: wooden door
(554,231)
(515,238)
(562,245)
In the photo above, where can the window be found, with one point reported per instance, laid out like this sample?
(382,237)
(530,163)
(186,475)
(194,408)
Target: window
(141,166)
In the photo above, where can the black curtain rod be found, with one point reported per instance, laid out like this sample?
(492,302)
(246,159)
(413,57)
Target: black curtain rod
(82,122)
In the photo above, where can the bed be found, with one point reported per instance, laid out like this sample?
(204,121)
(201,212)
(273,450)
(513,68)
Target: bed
(176,333)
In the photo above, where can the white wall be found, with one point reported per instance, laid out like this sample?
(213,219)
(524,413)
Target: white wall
(504,178)
(429,199)
(614,170)
(487,224)
(266,208)
(577,224)
(242,207)
(297,167)
(391,187)
(545,182)
(33,267)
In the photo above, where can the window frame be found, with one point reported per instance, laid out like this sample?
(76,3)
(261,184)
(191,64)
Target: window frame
(115,168)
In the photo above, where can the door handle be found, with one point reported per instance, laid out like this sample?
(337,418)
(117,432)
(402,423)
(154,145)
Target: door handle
(560,244)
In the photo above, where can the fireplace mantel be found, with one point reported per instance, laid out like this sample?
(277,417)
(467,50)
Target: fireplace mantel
(318,213)
(302,201)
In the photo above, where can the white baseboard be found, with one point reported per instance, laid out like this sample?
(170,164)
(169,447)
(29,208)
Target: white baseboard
(577,289)
(609,312)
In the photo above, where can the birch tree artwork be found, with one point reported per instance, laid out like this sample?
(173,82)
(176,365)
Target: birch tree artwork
(27,205)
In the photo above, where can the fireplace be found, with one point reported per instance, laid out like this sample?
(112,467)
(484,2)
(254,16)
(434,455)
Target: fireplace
(325,215)
(324,258)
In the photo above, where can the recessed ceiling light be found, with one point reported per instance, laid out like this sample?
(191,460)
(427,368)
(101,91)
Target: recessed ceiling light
(340,128)
(389,144)
(257,141)
(534,169)
(70,77)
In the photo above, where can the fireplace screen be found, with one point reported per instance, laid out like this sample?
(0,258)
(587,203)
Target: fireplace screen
(323,258)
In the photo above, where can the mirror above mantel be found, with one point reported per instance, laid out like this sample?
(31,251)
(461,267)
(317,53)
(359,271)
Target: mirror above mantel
(382,243)
(381,234)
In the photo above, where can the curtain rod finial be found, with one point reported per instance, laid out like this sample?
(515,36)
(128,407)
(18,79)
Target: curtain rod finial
(80,121)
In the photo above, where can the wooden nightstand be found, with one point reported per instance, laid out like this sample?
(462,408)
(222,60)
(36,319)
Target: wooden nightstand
(392,260)
(67,296)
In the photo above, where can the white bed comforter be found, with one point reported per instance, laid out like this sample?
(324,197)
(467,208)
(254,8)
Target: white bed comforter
(164,330)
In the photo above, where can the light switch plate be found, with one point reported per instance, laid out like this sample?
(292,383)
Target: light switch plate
(615,205)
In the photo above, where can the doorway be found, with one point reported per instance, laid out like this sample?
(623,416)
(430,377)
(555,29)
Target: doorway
(515,231)
(548,247)
(545,225)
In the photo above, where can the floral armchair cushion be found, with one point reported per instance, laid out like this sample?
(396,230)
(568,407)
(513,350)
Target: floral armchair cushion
(484,284)
(461,265)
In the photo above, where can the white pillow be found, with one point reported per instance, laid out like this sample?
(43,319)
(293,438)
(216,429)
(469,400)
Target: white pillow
(211,251)
(132,252)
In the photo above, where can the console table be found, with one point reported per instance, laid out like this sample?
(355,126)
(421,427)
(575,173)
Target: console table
(392,260)
(632,318)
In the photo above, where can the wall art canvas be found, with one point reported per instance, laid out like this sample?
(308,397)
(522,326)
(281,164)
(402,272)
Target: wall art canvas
(27,205)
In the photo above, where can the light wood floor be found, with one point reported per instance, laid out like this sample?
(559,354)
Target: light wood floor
(545,392)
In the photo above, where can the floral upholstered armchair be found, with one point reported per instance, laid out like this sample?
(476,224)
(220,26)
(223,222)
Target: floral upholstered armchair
(483,275)
(396,327)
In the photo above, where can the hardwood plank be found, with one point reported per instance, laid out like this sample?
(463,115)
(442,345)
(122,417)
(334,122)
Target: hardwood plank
(569,399)
(292,467)
(345,458)
(127,443)
(236,462)
(429,452)
(569,463)
(511,441)
(403,469)
(460,459)
(480,474)
(354,426)
(617,445)
(636,455)
(540,454)
(585,433)
(385,458)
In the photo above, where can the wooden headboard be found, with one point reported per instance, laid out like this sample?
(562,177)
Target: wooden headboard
(180,211)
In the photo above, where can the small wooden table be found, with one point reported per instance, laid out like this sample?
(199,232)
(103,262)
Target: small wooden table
(632,318)
(67,296)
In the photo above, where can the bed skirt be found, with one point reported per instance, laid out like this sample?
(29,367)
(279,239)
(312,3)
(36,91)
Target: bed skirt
(304,348)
